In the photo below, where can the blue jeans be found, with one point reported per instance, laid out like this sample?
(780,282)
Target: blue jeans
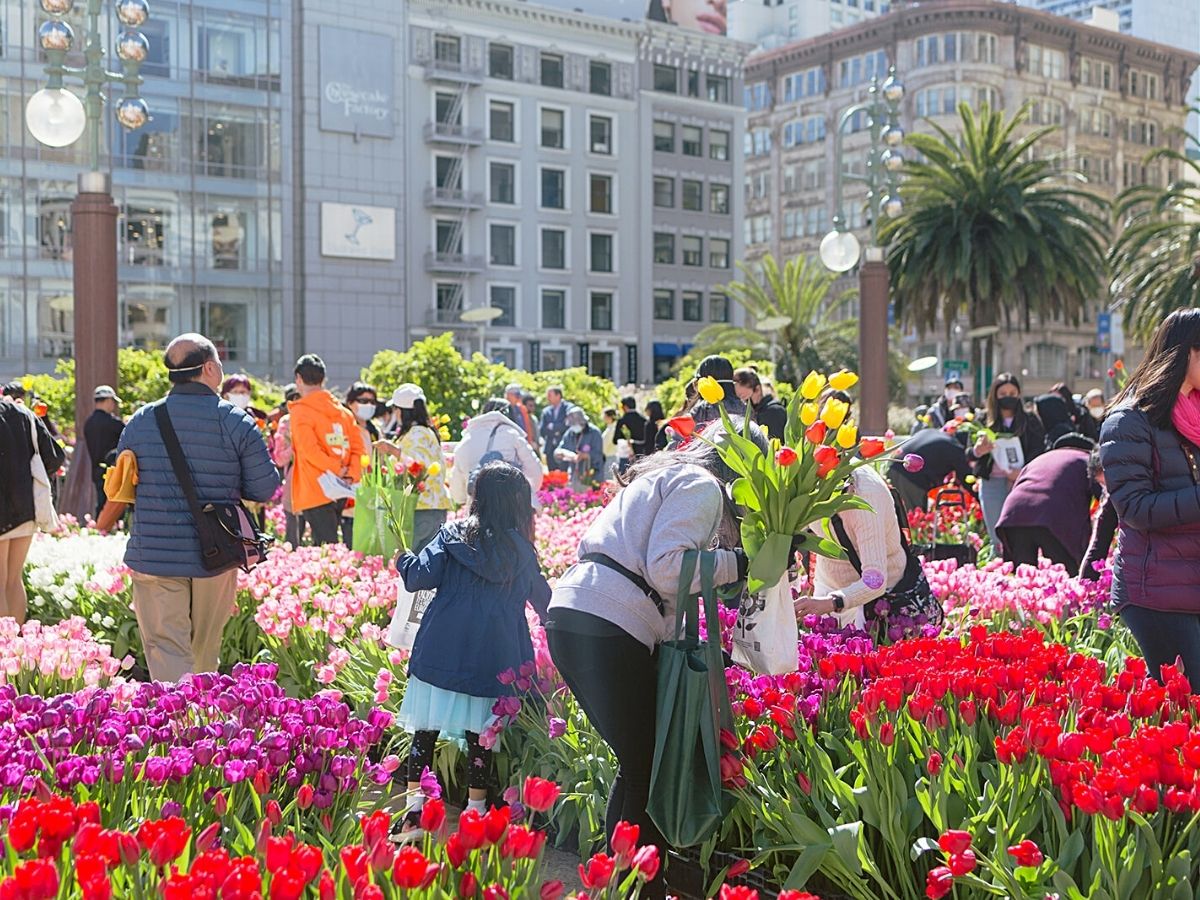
(992,494)
(1163,636)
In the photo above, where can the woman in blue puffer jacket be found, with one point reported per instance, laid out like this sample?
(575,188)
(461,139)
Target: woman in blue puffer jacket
(1150,449)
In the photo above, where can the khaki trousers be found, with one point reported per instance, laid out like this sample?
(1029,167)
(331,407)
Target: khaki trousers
(181,620)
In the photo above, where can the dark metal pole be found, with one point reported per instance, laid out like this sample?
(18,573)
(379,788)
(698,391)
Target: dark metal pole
(873,284)
(94,244)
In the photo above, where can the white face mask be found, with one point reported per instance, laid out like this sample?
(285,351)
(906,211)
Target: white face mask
(1096,411)
(241,401)
(364,411)
(576,429)
(951,393)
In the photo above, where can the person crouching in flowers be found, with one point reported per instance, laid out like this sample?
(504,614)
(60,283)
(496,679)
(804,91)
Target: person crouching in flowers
(418,439)
(483,568)
(612,609)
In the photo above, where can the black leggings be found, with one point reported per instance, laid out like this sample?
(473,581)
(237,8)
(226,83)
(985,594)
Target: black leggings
(614,681)
(420,757)
(1163,636)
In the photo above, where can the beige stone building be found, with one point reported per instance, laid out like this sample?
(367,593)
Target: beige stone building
(1115,98)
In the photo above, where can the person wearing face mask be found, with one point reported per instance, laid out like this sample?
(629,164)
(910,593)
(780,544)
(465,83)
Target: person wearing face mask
(237,390)
(943,411)
(1006,417)
(363,401)
(582,448)
(1094,409)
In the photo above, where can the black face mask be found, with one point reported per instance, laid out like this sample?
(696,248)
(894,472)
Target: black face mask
(1009,404)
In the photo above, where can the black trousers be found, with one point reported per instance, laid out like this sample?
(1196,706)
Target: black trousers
(98,481)
(614,679)
(1165,636)
(324,522)
(1023,543)
(420,757)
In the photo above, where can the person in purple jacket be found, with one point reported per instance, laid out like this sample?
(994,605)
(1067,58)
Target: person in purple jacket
(1150,448)
(1048,511)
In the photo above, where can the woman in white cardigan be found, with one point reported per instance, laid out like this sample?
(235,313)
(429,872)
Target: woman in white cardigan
(492,429)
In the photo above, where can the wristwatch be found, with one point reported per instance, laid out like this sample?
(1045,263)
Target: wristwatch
(839,601)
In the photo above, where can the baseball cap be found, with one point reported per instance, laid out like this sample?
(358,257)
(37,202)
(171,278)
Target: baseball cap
(406,396)
(104,392)
(954,379)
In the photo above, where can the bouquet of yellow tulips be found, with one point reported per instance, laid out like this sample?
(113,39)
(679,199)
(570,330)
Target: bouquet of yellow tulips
(385,503)
(801,480)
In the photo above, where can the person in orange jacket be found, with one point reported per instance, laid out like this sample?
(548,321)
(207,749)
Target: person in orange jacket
(325,438)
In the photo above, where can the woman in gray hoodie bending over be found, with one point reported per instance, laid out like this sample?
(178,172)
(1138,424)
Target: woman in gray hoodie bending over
(610,611)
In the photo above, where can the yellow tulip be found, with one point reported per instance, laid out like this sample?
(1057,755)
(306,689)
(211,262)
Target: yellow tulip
(970,417)
(847,436)
(27,382)
(766,432)
(365,461)
(710,390)
(444,433)
(843,380)
(812,386)
(434,470)
(808,413)
(834,413)
(444,419)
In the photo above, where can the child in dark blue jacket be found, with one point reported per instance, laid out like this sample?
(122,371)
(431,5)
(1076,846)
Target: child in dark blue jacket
(484,568)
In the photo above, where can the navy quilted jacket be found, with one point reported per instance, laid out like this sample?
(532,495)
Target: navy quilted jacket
(227,457)
(1153,487)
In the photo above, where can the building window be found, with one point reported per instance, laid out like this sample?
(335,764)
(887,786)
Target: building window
(1046,361)
(502,239)
(1094,73)
(554,128)
(718,89)
(503,179)
(809,83)
(718,253)
(448,298)
(551,70)
(1046,112)
(601,364)
(554,189)
(447,49)
(693,250)
(601,252)
(861,69)
(446,109)
(1143,85)
(664,248)
(693,141)
(553,360)
(504,297)
(448,237)
(757,96)
(664,191)
(554,312)
(692,195)
(600,134)
(602,311)
(1047,62)
(758,142)
(600,194)
(447,173)
(501,118)
(600,78)
(692,77)
(664,137)
(1139,131)
(693,306)
(718,308)
(718,144)
(554,248)
(666,79)
(1093,120)
(718,199)
(500,61)
(664,304)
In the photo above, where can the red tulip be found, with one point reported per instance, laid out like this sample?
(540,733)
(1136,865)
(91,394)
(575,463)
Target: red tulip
(1026,853)
(938,883)
(685,426)
(410,867)
(164,839)
(933,765)
(786,456)
(827,460)
(598,872)
(738,868)
(646,862)
(455,851)
(354,861)
(495,823)
(468,885)
(274,813)
(552,890)
(471,831)
(433,815)
(737,892)
(805,783)
(207,839)
(962,863)
(495,892)
(816,432)
(955,841)
(539,794)
(375,828)
(624,839)
(279,853)
(220,803)
(869,448)
(325,888)
(887,734)
(304,796)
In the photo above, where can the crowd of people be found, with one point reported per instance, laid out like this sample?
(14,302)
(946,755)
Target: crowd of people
(1055,475)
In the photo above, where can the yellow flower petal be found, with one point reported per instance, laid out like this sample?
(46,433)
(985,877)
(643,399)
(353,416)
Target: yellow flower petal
(847,436)
(808,413)
(843,380)
(812,386)
(710,390)
(834,413)
(434,470)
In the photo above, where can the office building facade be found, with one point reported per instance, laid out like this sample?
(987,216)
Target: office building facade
(1112,97)
(770,24)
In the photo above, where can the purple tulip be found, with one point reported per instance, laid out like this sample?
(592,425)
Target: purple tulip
(913,462)
(558,727)
(429,784)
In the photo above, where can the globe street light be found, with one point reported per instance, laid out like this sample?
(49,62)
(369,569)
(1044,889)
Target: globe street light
(840,250)
(57,117)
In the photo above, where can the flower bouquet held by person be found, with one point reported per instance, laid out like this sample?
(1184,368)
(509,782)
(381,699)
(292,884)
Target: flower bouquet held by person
(386,502)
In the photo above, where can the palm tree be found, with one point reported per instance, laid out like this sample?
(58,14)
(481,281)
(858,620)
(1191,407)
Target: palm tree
(990,228)
(816,337)
(1156,261)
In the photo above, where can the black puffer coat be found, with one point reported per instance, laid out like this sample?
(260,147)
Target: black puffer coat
(16,450)
(1156,490)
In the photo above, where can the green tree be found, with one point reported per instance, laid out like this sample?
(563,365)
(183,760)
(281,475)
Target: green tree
(1156,260)
(991,226)
(821,333)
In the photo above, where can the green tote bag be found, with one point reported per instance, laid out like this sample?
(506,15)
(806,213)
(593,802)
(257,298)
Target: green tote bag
(692,705)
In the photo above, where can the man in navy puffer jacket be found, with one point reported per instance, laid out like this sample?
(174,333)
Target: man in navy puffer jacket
(181,607)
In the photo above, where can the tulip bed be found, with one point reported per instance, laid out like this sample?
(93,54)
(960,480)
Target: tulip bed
(1021,752)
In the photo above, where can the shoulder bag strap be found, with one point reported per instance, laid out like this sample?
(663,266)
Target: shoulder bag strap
(839,529)
(687,624)
(178,461)
(713,658)
(492,437)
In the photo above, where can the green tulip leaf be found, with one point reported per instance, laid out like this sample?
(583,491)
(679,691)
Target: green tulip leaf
(770,562)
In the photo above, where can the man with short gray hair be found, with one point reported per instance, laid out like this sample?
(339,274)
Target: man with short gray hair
(182,607)
(519,413)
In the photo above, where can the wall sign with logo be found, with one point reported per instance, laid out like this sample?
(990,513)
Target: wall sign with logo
(358,232)
(357,82)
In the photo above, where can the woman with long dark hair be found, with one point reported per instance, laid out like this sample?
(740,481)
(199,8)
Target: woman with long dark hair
(1005,415)
(483,568)
(417,439)
(654,427)
(1150,450)
(611,610)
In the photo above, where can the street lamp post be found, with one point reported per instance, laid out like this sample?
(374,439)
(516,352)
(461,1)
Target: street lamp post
(56,117)
(840,249)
